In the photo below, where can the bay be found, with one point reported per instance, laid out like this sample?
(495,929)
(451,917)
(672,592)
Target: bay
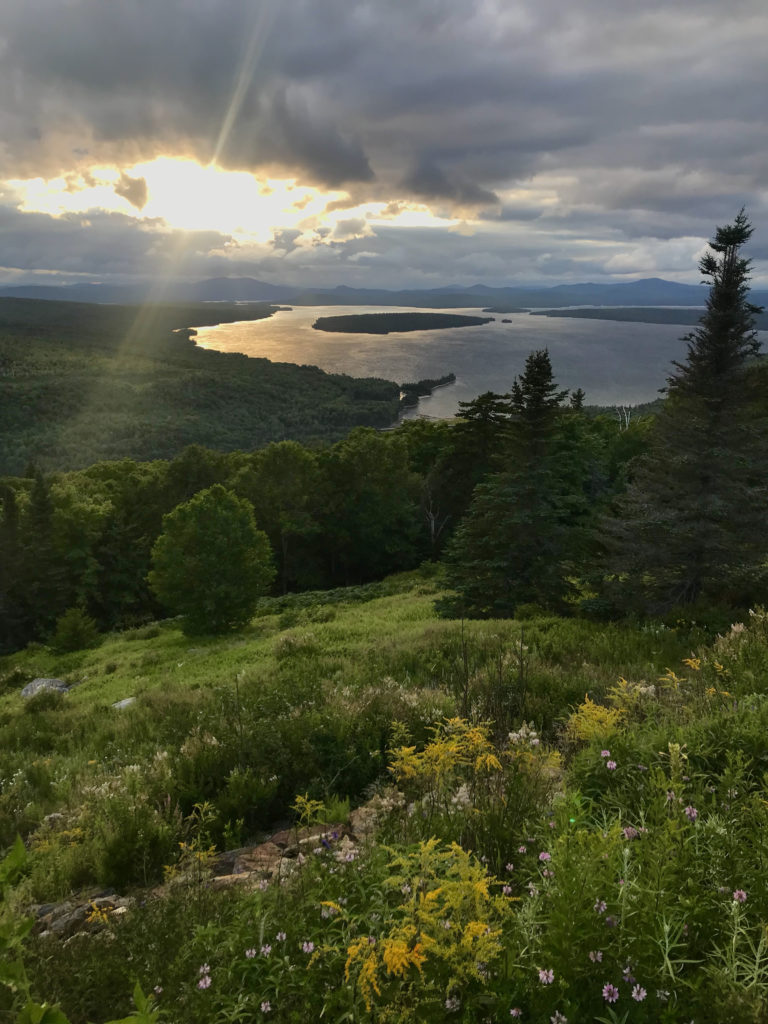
(615,363)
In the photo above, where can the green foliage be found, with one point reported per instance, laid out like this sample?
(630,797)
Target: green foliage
(75,629)
(84,382)
(692,526)
(211,563)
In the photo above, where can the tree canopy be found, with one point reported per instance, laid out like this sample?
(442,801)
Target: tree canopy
(211,563)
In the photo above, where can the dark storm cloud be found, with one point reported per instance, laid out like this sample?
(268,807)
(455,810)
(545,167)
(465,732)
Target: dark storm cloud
(430,181)
(620,120)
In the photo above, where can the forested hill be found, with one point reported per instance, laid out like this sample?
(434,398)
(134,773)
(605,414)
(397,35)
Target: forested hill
(81,383)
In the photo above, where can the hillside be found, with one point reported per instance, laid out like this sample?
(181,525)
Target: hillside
(81,383)
(628,828)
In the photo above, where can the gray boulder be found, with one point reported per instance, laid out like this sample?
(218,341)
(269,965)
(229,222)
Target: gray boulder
(124,703)
(38,685)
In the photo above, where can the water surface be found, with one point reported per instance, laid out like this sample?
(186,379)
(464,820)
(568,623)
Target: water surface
(615,363)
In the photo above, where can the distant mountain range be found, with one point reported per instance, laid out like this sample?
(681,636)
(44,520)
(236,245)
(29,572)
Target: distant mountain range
(652,291)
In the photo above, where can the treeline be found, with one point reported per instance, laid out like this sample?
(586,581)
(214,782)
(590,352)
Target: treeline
(371,504)
(84,383)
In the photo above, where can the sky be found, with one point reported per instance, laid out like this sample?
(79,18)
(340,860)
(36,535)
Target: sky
(388,143)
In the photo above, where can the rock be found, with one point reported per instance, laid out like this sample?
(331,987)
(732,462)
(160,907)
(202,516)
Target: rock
(263,859)
(227,881)
(224,863)
(68,924)
(124,703)
(38,685)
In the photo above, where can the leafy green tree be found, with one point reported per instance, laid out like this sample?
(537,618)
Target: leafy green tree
(370,516)
(211,562)
(281,482)
(693,524)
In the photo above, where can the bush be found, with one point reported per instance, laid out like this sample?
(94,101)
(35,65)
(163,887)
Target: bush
(75,630)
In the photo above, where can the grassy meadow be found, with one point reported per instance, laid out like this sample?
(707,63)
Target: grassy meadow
(571,817)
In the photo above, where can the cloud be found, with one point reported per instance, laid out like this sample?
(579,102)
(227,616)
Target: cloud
(132,189)
(554,128)
(429,180)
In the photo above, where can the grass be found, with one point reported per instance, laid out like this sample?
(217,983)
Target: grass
(336,694)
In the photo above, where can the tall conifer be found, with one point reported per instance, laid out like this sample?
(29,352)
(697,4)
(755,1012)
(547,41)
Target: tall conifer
(692,526)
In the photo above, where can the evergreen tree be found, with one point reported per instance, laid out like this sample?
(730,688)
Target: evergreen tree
(692,526)
(522,534)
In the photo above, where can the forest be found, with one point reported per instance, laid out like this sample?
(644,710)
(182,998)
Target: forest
(457,721)
(84,383)
(383,323)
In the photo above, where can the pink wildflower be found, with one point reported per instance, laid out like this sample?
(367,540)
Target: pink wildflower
(546,977)
(739,896)
(610,993)
(610,765)
(639,993)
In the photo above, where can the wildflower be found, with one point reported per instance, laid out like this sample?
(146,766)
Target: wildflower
(262,885)
(205,981)
(522,849)
(611,921)
(610,993)
(372,940)
(452,1004)
(610,765)
(639,993)
(691,813)
(547,873)
(281,936)
(204,969)
(266,1006)
(546,977)
(405,889)
(600,906)
(506,889)
(158,990)
(510,867)
(605,753)
(670,795)
(447,924)
(739,896)
(515,1012)
(545,856)
(349,856)
(266,950)
(662,995)
(596,956)
(307,947)
(558,1018)
(250,954)
(630,832)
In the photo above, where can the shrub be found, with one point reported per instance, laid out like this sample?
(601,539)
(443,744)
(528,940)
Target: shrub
(75,630)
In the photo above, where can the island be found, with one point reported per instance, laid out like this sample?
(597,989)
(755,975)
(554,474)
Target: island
(383,323)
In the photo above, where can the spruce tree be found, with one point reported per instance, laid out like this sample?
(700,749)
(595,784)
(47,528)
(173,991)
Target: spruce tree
(692,526)
(521,536)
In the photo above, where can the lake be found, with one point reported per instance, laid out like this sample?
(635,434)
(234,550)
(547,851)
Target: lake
(615,363)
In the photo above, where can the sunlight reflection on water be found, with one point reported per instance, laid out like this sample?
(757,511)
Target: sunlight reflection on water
(615,363)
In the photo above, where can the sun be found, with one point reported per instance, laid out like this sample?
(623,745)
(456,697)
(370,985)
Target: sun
(185,195)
